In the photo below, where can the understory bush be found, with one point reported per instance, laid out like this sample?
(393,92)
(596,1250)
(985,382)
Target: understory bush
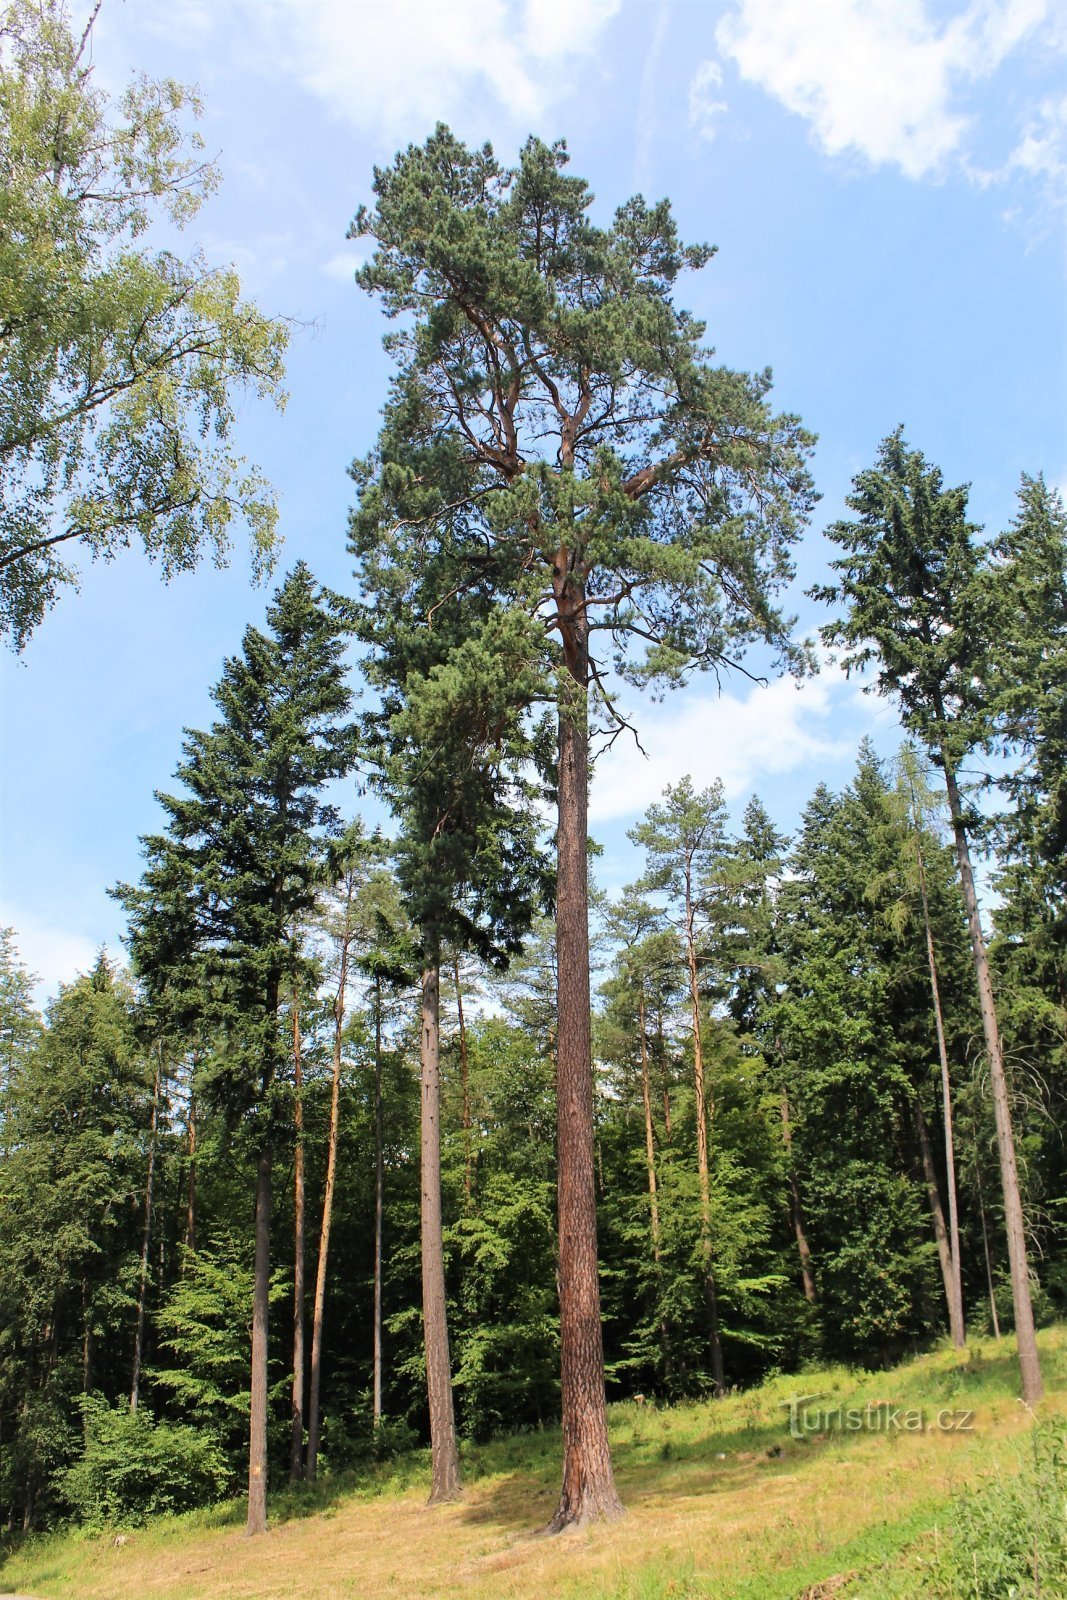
(134,1467)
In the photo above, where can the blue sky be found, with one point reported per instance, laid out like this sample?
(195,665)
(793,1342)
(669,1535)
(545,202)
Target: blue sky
(887,184)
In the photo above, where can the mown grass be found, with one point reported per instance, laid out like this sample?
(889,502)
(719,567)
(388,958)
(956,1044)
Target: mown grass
(721,1501)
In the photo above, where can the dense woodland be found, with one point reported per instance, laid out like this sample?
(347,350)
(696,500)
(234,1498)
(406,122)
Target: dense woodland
(386,1129)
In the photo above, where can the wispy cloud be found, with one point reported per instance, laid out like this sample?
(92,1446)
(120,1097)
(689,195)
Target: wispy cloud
(396,69)
(706,105)
(646,119)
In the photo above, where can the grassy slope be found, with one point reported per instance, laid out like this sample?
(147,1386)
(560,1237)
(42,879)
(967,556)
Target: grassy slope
(720,1502)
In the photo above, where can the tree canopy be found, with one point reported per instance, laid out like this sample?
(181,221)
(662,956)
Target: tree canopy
(121,362)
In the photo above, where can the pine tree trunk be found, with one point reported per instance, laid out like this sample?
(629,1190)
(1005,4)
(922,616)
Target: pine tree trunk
(1029,1366)
(661,1052)
(464,1070)
(257,1445)
(937,1217)
(985,1249)
(190,1188)
(650,1146)
(296,1445)
(443,1448)
(87,1353)
(319,1307)
(718,1374)
(800,1232)
(954,1290)
(653,1196)
(142,1289)
(379,1200)
(588,1491)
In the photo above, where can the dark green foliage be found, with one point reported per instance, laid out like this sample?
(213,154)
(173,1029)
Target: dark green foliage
(554,413)
(76,1130)
(503,1320)
(911,597)
(134,1467)
(212,922)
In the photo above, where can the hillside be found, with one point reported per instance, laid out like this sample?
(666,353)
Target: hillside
(721,1500)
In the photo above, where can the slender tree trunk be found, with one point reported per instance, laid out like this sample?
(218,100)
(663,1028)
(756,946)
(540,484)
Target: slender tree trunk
(190,1188)
(588,1489)
(379,1199)
(464,1069)
(937,1217)
(800,1232)
(296,1444)
(718,1374)
(1029,1366)
(87,1352)
(650,1158)
(650,1146)
(661,1051)
(142,1288)
(319,1307)
(257,1445)
(954,1290)
(985,1249)
(443,1449)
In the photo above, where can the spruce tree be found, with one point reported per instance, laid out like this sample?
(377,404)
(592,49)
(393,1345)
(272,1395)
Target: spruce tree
(452,747)
(212,921)
(913,596)
(557,420)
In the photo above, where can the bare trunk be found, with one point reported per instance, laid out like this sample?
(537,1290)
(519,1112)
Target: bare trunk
(1029,1366)
(718,1374)
(985,1249)
(190,1188)
(665,1086)
(954,1288)
(464,1070)
(588,1490)
(443,1450)
(296,1445)
(142,1288)
(257,1443)
(319,1307)
(379,1199)
(650,1146)
(937,1217)
(799,1229)
(87,1353)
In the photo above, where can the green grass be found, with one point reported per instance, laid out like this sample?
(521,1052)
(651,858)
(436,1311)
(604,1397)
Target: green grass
(721,1501)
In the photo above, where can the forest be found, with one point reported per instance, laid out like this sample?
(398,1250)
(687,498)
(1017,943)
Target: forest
(389,1127)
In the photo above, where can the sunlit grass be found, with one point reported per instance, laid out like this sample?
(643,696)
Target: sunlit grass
(721,1502)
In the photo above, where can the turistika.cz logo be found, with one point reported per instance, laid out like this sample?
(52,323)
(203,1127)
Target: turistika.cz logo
(808,1416)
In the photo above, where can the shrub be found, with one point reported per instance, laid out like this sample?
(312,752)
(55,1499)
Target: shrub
(133,1467)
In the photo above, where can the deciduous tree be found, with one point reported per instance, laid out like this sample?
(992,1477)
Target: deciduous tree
(120,363)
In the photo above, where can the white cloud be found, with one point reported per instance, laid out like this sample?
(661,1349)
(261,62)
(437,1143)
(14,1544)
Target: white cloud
(395,69)
(705,108)
(879,78)
(741,739)
(1042,151)
(343,265)
(53,954)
